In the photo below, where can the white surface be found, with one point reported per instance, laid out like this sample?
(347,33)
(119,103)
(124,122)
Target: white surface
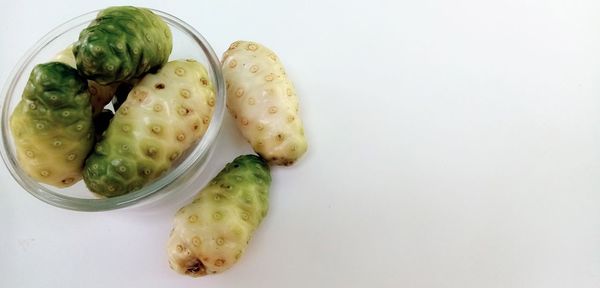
(452,144)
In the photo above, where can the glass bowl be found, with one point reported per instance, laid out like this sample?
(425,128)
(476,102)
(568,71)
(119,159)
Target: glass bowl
(187,43)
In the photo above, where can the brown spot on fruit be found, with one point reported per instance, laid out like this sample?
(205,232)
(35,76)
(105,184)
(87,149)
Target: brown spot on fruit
(140,95)
(184,111)
(193,218)
(280,137)
(180,137)
(68,181)
(272,109)
(232,64)
(159,86)
(253,68)
(204,81)
(244,121)
(196,268)
(179,71)
(157,108)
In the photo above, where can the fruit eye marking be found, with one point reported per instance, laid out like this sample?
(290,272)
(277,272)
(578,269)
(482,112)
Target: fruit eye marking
(252,47)
(239,92)
(184,93)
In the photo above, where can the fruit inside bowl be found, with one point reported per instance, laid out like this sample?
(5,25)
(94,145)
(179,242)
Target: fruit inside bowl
(61,95)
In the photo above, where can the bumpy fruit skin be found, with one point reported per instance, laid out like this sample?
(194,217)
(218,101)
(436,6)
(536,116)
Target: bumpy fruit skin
(52,125)
(163,115)
(123,42)
(100,94)
(264,103)
(212,232)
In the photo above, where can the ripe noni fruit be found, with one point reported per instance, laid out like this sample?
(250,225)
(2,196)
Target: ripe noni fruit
(263,102)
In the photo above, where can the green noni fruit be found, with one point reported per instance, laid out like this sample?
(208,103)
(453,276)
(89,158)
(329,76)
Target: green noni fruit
(52,125)
(122,43)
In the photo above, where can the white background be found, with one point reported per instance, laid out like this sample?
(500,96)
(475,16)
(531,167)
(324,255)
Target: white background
(452,144)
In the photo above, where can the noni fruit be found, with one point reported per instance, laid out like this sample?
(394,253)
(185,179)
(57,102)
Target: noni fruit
(264,103)
(123,42)
(52,125)
(212,232)
(100,94)
(162,116)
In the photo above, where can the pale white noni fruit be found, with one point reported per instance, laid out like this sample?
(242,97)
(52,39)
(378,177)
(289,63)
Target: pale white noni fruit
(100,94)
(263,102)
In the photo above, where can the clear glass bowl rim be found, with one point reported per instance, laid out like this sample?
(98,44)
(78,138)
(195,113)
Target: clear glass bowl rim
(102,204)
